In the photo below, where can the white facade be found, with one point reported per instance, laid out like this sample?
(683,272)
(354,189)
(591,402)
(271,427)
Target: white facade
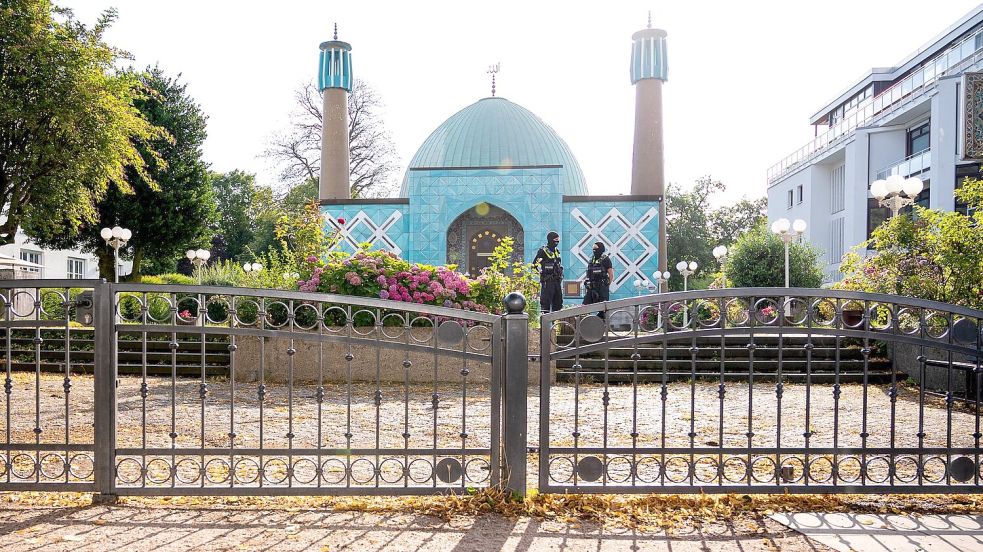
(58,264)
(897,120)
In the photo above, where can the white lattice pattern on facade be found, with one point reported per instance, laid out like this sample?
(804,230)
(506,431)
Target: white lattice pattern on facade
(625,241)
(362,229)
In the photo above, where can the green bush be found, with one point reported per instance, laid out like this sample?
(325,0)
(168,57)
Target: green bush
(52,300)
(758,260)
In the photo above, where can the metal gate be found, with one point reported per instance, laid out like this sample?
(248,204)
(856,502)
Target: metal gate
(750,390)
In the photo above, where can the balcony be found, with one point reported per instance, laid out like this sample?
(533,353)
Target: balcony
(913,164)
(953,61)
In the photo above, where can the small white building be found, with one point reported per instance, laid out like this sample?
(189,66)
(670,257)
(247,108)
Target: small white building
(56,264)
(918,118)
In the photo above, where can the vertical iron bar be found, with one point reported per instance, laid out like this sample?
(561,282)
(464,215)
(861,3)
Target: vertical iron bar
(516,378)
(635,356)
(779,392)
(203,390)
(949,400)
(693,350)
(545,385)
(144,389)
(173,434)
(261,392)
(497,350)
(836,397)
(464,409)
(865,351)
(893,394)
(320,393)
(67,385)
(807,433)
(921,395)
(104,431)
(378,394)
(721,390)
(407,328)
(8,382)
(606,400)
(349,357)
(291,353)
(752,316)
(664,392)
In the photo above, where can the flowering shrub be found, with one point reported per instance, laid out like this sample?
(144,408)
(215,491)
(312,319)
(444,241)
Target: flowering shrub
(384,275)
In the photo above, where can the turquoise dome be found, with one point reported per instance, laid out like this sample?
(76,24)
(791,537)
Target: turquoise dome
(496,133)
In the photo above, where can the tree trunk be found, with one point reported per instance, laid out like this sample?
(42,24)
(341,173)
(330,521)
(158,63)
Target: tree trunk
(137,261)
(106,268)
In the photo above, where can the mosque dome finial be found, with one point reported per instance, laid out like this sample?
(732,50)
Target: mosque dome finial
(648,26)
(336,26)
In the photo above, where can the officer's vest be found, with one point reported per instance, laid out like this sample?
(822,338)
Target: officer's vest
(550,268)
(596,272)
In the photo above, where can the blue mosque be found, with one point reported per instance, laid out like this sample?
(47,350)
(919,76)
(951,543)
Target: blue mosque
(495,169)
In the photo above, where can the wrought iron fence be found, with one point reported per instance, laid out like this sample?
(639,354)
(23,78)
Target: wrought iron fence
(747,390)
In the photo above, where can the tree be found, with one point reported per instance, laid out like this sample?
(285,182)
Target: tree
(758,260)
(929,254)
(233,193)
(693,230)
(298,150)
(68,126)
(172,216)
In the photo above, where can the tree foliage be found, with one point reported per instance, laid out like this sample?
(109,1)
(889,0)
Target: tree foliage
(694,229)
(758,260)
(167,217)
(68,122)
(298,150)
(933,254)
(233,192)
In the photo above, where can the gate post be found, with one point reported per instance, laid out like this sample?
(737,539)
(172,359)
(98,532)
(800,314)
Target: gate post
(104,375)
(515,390)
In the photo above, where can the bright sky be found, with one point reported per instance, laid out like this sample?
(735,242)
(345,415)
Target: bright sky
(744,77)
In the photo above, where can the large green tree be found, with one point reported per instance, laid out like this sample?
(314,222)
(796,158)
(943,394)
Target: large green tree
(233,193)
(174,215)
(694,229)
(758,260)
(68,122)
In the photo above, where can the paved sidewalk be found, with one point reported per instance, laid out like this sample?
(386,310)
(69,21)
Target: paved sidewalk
(889,533)
(165,529)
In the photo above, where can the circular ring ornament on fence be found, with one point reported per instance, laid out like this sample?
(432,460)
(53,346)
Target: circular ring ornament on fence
(821,470)
(449,470)
(675,315)
(188,304)
(22,466)
(304,471)
(391,470)
(187,470)
(394,325)
(619,469)
(650,319)
(52,459)
(275,471)
(764,469)
(881,317)
(477,470)
(159,308)
(3,466)
(767,311)
(823,312)
(906,465)
(909,320)
(334,319)
(936,324)
(591,328)
(129,308)
(936,465)
(59,298)
(333,471)
(158,471)
(425,467)
(479,338)
(217,470)
(737,312)
(362,471)
(852,314)
(590,468)
(277,314)
(27,300)
(962,469)
(450,333)
(246,312)
(4,305)
(306,312)
(621,322)
(706,313)
(798,309)
(81,467)
(646,465)
(129,471)
(800,471)
(878,469)
(678,469)
(966,331)
(562,334)
(245,471)
(424,326)
(706,470)
(741,471)
(848,469)
(564,466)
(373,320)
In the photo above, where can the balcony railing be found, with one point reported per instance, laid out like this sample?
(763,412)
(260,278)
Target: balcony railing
(953,61)
(913,164)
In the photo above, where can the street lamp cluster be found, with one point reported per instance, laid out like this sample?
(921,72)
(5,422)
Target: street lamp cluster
(786,231)
(686,269)
(645,285)
(251,267)
(198,257)
(116,237)
(892,191)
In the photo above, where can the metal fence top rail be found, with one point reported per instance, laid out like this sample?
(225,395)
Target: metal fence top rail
(45,283)
(734,293)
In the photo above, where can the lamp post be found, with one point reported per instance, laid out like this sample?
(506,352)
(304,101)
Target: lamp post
(786,231)
(892,192)
(661,279)
(642,285)
(116,237)
(198,257)
(253,268)
(686,269)
(720,253)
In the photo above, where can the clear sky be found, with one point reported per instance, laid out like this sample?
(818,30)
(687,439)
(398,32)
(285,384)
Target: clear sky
(744,77)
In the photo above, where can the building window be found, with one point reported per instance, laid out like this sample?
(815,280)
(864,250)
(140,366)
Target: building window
(798,193)
(876,215)
(32,257)
(836,241)
(790,196)
(76,268)
(919,139)
(837,189)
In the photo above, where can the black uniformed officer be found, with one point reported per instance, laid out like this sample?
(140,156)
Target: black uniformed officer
(550,274)
(598,278)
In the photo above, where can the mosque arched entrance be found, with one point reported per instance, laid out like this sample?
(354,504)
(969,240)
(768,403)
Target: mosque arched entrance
(475,233)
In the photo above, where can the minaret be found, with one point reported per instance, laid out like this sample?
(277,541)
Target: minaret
(648,72)
(334,80)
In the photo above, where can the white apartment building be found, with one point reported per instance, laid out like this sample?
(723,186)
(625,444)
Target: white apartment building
(910,119)
(57,264)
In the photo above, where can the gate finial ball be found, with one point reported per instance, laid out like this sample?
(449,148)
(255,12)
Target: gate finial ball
(515,303)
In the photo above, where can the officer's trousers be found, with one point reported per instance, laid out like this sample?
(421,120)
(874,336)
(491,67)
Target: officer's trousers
(550,297)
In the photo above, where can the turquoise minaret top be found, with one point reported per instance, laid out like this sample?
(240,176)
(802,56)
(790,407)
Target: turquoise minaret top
(335,67)
(648,54)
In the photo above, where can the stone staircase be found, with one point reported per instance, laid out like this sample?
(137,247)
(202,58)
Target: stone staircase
(680,364)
